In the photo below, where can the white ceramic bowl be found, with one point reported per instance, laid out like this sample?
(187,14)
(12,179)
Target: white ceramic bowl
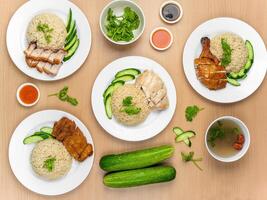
(244,131)
(18,97)
(154,46)
(117,6)
(178,5)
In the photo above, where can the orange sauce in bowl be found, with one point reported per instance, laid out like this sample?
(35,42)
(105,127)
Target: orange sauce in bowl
(161,38)
(28,94)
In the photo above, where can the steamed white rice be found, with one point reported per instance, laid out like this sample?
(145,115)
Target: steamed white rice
(58,34)
(239,51)
(51,148)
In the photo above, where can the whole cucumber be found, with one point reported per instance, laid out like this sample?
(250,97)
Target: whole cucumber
(136,159)
(137,177)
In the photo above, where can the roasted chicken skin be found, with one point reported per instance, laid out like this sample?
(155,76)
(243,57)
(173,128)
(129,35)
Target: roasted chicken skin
(72,138)
(208,69)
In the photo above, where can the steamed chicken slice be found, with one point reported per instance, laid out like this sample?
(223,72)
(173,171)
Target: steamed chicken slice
(154,89)
(29,50)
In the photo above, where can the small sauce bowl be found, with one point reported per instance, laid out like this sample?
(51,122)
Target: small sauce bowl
(159,34)
(241,152)
(179,7)
(28,94)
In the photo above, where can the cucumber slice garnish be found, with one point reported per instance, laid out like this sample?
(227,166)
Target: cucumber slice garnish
(32,139)
(71,36)
(72,50)
(124,78)
(233,82)
(185,135)
(108,106)
(178,130)
(250,50)
(47,130)
(69,20)
(112,87)
(129,71)
(188,142)
(71,43)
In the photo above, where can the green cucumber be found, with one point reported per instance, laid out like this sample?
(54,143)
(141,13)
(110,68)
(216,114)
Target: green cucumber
(233,82)
(47,130)
(129,71)
(69,20)
(112,87)
(177,130)
(108,109)
(136,159)
(139,177)
(185,135)
(71,43)
(234,75)
(248,65)
(71,36)
(188,142)
(72,50)
(71,29)
(241,73)
(124,78)
(32,139)
(250,50)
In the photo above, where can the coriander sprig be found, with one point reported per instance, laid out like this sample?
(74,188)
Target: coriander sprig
(63,96)
(129,107)
(191,112)
(46,30)
(187,157)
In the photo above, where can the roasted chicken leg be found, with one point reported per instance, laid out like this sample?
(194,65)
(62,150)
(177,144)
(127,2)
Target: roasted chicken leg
(208,70)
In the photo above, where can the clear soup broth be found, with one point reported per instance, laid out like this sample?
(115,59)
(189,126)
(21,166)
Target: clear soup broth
(223,145)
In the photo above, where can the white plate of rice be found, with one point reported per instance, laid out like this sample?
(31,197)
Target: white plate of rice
(20,156)
(17,30)
(237,28)
(156,121)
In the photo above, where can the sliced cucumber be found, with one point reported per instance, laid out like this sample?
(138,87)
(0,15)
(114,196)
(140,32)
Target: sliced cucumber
(69,38)
(108,106)
(188,142)
(241,73)
(42,134)
(112,87)
(234,75)
(47,130)
(250,50)
(69,20)
(71,43)
(129,71)
(32,139)
(248,65)
(185,135)
(124,78)
(71,29)
(72,50)
(177,130)
(233,82)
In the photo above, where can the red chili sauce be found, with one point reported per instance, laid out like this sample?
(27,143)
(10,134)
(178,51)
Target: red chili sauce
(28,94)
(161,38)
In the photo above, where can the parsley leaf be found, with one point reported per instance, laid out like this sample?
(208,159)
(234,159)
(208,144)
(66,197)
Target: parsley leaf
(187,157)
(49,164)
(227,52)
(191,112)
(215,133)
(63,96)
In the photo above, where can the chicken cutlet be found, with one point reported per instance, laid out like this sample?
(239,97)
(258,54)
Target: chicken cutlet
(66,131)
(208,68)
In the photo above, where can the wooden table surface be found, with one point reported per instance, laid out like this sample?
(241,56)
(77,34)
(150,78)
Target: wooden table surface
(242,180)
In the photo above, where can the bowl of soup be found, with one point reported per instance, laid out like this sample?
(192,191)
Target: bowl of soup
(227,139)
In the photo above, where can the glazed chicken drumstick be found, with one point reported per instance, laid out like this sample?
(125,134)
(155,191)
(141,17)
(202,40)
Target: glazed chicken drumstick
(208,70)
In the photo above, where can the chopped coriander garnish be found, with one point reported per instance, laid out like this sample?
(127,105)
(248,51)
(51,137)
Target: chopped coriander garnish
(215,133)
(187,157)
(128,106)
(46,30)
(191,112)
(49,164)
(227,52)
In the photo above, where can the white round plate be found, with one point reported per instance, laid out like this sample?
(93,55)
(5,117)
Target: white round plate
(17,43)
(256,74)
(19,155)
(155,122)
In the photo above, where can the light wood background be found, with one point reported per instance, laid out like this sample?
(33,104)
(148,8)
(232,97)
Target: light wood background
(242,180)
